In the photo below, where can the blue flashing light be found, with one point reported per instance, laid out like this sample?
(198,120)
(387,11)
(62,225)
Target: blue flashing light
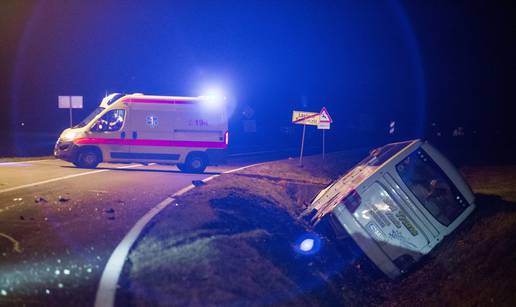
(213,98)
(308,244)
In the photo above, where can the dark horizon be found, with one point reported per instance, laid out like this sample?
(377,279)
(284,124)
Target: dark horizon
(371,63)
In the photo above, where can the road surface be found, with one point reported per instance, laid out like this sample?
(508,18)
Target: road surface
(60,224)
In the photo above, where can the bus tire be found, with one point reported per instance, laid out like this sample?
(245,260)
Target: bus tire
(88,158)
(196,162)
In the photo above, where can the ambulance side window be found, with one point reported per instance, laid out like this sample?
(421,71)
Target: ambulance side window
(111,121)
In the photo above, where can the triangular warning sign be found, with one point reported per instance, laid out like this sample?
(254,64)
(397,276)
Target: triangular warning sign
(324,116)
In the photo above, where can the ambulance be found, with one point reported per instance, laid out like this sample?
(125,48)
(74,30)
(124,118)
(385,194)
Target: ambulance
(397,204)
(190,132)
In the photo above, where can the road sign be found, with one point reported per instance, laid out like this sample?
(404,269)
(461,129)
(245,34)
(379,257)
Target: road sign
(322,120)
(249,125)
(69,102)
(391,127)
(66,102)
(305,118)
(322,125)
(324,116)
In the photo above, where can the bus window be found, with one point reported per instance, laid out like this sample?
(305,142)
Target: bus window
(432,187)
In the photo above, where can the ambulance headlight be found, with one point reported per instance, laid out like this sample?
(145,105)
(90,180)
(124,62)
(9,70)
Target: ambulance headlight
(69,136)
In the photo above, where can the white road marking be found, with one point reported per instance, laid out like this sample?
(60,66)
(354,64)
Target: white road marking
(34,161)
(29,161)
(109,280)
(98,191)
(62,178)
(14,164)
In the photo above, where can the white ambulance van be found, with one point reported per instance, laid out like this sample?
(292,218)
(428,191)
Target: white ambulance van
(397,204)
(190,132)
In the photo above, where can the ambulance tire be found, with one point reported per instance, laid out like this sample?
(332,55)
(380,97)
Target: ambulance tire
(88,158)
(196,162)
(181,167)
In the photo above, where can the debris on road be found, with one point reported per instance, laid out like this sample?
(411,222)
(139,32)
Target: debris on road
(39,199)
(198,183)
(16,244)
(63,198)
(111,213)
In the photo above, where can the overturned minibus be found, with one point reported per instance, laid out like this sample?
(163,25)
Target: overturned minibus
(397,204)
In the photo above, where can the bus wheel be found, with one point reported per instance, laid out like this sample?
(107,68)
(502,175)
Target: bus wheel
(196,163)
(88,158)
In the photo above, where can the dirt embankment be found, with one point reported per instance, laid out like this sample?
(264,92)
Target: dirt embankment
(234,241)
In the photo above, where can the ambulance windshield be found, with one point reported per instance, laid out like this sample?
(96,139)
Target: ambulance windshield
(88,119)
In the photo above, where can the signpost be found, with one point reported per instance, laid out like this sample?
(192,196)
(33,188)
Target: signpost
(304,118)
(322,120)
(69,102)
(324,124)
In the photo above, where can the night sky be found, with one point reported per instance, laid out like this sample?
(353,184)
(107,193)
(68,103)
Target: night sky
(369,62)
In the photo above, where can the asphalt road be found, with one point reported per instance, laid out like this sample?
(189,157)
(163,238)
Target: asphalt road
(59,224)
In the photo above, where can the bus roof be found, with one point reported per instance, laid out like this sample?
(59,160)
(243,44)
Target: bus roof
(341,187)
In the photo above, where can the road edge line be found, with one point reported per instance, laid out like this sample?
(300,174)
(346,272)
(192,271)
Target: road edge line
(63,178)
(106,291)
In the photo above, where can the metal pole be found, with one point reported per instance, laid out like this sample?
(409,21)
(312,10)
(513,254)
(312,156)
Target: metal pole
(302,146)
(323,149)
(70,114)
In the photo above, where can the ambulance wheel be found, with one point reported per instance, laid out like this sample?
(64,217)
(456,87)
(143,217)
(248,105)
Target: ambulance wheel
(88,158)
(196,163)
